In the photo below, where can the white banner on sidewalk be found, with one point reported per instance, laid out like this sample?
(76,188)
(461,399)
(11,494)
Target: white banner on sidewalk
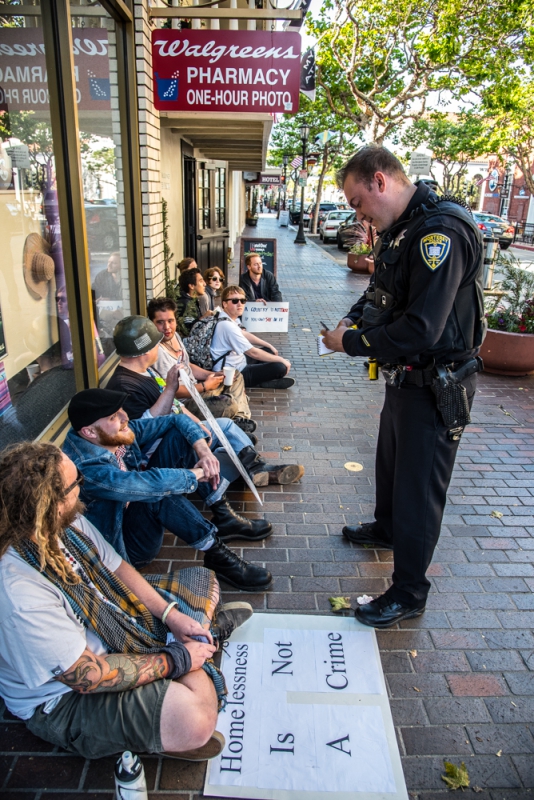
(308,715)
(266,317)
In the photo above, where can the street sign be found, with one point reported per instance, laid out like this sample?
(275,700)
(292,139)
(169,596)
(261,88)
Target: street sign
(19,155)
(419,164)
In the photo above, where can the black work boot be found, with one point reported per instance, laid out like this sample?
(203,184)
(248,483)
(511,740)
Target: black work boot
(231,525)
(262,473)
(246,425)
(369,535)
(231,568)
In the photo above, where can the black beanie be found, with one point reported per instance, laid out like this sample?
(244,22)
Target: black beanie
(92,404)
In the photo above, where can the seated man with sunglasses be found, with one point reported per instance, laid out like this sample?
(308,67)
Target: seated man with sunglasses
(257,360)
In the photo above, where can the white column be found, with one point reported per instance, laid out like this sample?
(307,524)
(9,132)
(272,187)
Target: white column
(234,24)
(196,22)
(215,24)
(530,212)
(251,24)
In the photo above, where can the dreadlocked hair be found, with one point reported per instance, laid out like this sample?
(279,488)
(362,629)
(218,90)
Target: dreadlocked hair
(31,489)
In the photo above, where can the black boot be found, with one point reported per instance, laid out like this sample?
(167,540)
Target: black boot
(231,525)
(262,473)
(232,569)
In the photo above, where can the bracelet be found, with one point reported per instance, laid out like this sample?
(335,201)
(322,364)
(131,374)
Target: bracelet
(166,612)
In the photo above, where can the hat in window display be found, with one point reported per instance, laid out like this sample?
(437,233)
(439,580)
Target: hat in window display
(38,266)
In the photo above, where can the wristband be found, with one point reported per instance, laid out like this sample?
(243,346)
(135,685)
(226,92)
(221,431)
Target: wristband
(166,612)
(180,657)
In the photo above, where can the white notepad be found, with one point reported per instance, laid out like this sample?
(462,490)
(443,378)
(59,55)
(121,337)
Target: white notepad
(322,349)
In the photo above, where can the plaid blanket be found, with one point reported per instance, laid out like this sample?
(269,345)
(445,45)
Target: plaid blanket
(121,621)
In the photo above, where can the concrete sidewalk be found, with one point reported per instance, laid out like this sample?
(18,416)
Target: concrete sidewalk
(461,677)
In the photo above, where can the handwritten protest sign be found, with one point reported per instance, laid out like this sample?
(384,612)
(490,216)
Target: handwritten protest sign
(267,318)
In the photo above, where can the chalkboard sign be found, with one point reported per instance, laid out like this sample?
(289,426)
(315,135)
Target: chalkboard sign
(266,248)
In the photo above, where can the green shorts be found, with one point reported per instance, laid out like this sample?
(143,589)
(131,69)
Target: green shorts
(102,724)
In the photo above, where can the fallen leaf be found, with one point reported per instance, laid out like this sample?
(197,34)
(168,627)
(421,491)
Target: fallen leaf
(339,603)
(479,739)
(416,689)
(497,514)
(455,777)
(287,447)
(498,753)
(477,789)
(352,363)
(512,702)
(308,330)
(413,653)
(353,466)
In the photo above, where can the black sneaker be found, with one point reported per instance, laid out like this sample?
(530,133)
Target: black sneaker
(247,425)
(368,534)
(278,383)
(385,611)
(228,566)
(229,617)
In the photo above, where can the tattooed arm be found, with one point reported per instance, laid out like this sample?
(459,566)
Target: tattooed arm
(115,672)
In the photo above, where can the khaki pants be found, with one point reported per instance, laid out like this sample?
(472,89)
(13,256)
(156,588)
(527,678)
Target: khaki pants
(237,408)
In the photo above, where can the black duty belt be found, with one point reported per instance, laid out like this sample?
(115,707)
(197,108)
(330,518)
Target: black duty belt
(396,374)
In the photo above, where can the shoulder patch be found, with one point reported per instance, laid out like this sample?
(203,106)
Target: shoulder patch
(435,247)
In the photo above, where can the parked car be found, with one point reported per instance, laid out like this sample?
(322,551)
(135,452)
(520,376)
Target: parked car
(500,228)
(329,225)
(294,214)
(345,232)
(324,208)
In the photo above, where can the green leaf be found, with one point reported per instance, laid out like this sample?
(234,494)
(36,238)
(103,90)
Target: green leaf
(339,603)
(455,777)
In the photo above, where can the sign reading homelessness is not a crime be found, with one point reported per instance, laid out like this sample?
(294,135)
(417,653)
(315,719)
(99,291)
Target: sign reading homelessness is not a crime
(246,71)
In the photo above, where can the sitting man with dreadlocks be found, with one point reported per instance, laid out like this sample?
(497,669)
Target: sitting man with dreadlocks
(95,658)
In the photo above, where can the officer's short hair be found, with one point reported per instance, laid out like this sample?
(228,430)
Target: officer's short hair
(187,279)
(369,160)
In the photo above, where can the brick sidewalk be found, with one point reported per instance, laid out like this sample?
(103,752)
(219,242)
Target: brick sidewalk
(461,677)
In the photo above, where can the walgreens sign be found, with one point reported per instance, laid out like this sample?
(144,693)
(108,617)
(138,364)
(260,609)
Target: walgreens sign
(245,71)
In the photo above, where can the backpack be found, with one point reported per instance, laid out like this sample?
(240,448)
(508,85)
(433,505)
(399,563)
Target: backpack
(198,343)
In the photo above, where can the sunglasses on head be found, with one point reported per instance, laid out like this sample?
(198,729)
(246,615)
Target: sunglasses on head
(78,482)
(236,300)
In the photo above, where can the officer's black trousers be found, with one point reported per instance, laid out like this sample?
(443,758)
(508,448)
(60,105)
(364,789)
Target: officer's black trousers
(414,463)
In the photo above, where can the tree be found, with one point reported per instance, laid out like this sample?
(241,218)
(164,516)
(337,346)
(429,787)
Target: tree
(378,62)
(454,140)
(509,131)
(317,114)
(37,135)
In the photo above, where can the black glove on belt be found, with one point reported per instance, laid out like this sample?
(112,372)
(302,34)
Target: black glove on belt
(181,658)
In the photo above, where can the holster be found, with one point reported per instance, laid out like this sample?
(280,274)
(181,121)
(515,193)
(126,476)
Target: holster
(451,395)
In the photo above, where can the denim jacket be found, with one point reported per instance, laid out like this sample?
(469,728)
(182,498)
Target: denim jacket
(107,488)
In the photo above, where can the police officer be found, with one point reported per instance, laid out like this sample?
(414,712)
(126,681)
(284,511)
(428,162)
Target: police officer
(422,319)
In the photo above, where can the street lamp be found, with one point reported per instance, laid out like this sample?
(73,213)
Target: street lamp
(304,133)
(285,160)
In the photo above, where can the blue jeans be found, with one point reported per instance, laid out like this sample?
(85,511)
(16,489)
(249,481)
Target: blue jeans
(144,524)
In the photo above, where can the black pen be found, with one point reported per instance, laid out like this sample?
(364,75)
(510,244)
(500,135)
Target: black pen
(325,326)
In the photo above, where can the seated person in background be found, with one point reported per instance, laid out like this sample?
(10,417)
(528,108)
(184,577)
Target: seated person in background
(192,286)
(258,284)
(222,401)
(214,279)
(259,366)
(135,476)
(107,284)
(84,659)
(150,396)
(203,299)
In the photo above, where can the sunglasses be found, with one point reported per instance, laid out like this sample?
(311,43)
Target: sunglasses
(236,300)
(215,278)
(80,480)
(60,299)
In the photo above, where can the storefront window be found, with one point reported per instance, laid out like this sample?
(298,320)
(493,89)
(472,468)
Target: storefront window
(94,40)
(220,197)
(204,210)
(36,361)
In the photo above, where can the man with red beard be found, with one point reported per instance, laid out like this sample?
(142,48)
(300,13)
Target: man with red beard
(136,475)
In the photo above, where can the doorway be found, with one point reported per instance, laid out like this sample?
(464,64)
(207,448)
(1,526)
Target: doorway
(212,213)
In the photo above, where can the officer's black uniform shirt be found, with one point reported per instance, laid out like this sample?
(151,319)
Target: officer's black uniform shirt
(424,274)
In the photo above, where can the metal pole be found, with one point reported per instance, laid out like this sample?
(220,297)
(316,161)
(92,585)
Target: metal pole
(300,238)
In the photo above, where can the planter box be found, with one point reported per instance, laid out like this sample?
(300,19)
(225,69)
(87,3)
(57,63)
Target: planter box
(508,353)
(363,265)
(251,221)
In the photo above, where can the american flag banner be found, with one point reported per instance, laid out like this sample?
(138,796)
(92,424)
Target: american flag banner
(296,162)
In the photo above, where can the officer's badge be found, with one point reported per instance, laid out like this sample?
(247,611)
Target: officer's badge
(435,247)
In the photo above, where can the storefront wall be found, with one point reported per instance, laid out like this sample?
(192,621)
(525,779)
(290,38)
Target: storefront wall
(68,203)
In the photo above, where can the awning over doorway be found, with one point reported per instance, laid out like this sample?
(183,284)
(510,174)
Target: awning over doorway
(239,139)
